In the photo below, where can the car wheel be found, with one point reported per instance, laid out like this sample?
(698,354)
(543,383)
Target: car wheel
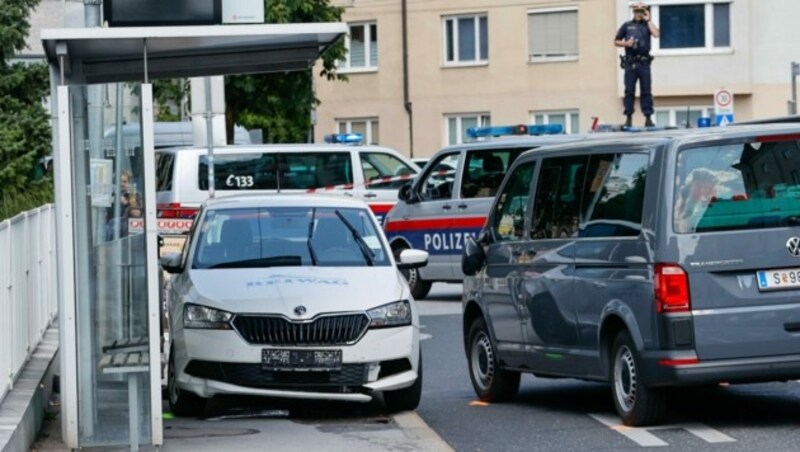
(406,399)
(491,383)
(183,403)
(636,404)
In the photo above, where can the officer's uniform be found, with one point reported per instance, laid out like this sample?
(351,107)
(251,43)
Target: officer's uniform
(637,65)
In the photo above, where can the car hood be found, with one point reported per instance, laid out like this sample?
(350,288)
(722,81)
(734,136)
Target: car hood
(281,290)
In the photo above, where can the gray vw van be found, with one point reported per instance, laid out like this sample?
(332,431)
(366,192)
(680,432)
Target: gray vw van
(647,261)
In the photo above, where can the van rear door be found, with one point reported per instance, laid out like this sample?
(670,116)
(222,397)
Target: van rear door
(736,211)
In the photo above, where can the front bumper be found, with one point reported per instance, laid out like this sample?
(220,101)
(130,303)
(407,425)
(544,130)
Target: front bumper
(744,370)
(226,350)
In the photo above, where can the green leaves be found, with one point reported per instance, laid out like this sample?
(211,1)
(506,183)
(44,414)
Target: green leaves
(25,135)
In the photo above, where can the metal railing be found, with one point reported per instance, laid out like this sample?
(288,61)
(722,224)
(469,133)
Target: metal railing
(28,303)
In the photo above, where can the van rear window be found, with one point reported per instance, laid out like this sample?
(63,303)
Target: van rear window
(273,171)
(738,186)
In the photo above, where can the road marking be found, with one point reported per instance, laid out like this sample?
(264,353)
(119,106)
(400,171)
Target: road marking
(425,336)
(643,436)
(638,435)
(479,403)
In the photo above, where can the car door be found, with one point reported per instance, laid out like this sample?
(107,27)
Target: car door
(481,175)
(506,256)
(611,255)
(546,291)
(383,175)
(427,218)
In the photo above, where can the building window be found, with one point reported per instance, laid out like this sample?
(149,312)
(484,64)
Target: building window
(569,120)
(682,116)
(368,128)
(692,26)
(553,35)
(466,39)
(362,47)
(457,125)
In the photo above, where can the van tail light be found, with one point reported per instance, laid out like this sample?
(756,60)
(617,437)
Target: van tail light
(672,289)
(174,210)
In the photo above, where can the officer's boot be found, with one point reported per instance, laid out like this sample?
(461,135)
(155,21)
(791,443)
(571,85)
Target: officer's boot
(629,121)
(648,122)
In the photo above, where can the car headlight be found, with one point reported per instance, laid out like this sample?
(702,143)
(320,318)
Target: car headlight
(389,315)
(201,317)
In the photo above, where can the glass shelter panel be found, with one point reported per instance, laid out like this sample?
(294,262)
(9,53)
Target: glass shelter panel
(113,361)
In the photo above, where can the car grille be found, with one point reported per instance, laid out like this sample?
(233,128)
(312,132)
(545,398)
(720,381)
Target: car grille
(254,376)
(329,330)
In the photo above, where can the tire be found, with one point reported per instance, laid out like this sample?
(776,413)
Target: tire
(419,288)
(406,399)
(183,403)
(636,404)
(491,383)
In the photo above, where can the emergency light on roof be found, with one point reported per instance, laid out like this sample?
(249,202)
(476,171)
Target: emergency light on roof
(522,129)
(344,138)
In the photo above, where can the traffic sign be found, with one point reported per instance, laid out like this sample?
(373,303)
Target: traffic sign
(723,106)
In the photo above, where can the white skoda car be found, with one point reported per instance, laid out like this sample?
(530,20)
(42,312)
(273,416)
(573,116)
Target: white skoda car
(291,296)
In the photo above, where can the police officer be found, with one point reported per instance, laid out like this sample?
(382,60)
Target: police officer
(634,36)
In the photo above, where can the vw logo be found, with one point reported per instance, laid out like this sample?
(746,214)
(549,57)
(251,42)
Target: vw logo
(793,246)
(301,310)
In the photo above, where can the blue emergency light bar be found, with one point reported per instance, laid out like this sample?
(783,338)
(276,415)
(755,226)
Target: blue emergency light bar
(522,129)
(344,138)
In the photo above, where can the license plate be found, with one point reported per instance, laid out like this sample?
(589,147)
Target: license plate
(288,360)
(779,279)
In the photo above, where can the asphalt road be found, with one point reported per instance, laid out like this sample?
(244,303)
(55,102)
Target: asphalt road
(566,415)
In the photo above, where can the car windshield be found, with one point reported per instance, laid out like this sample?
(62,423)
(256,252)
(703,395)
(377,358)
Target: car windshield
(738,186)
(288,237)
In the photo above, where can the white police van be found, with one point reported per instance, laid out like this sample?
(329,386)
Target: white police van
(452,197)
(341,166)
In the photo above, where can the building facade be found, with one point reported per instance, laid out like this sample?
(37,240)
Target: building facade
(480,62)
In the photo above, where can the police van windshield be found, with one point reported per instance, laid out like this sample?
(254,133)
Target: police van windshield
(288,237)
(753,185)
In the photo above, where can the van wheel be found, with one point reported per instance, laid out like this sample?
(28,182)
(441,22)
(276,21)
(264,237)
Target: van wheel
(491,383)
(406,399)
(636,404)
(183,403)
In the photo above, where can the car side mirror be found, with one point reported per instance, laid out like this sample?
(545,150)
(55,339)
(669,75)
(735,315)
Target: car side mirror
(411,259)
(171,263)
(406,193)
(485,238)
(474,257)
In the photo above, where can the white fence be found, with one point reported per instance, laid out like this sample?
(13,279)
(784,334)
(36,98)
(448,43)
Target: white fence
(28,301)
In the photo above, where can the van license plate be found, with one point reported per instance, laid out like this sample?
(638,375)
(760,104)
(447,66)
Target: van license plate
(319,360)
(779,279)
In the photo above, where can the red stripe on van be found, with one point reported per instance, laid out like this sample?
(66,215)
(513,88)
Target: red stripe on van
(439,223)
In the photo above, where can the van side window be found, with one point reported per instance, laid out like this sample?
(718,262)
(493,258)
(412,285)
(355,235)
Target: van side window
(512,205)
(613,196)
(439,179)
(558,196)
(484,172)
(377,166)
(164,165)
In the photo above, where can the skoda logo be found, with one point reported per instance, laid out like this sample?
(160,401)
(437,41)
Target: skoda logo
(793,246)
(300,311)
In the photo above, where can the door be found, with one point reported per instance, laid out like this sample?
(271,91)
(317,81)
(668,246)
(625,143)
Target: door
(547,284)
(481,175)
(427,221)
(383,174)
(611,255)
(504,258)
(736,216)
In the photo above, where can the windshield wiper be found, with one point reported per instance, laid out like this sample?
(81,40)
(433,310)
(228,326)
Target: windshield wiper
(362,244)
(264,262)
(311,251)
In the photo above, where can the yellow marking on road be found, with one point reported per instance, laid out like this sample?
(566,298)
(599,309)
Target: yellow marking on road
(479,403)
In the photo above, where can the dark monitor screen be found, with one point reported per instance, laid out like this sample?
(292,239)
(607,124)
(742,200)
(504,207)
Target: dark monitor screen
(122,13)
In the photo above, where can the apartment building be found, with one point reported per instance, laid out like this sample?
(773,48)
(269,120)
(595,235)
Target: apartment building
(480,62)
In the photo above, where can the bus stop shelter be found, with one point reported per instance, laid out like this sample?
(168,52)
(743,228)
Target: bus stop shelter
(108,275)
